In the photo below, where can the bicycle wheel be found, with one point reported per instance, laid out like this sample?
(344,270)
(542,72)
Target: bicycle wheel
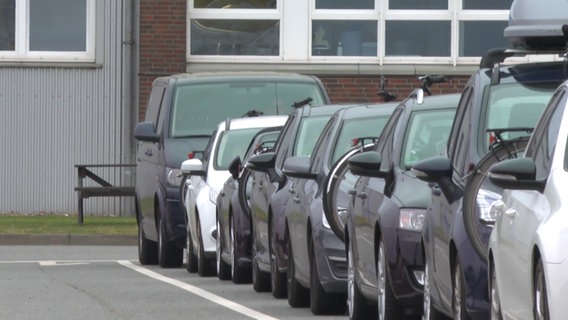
(479,192)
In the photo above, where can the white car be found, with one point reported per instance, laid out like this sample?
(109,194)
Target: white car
(528,259)
(204,181)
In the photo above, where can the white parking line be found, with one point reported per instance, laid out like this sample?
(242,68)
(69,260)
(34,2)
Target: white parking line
(200,292)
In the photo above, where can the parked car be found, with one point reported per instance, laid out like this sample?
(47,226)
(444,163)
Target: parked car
(270,193)
(205,180)
(316,256)
(383,232)
(498,108)
(182,111)
(233,214)
(527,257)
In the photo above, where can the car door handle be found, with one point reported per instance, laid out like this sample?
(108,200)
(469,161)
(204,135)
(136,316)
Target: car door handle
(511,213)
(148,152)
(362,195)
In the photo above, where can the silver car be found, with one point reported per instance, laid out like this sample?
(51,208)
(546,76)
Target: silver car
(528,260)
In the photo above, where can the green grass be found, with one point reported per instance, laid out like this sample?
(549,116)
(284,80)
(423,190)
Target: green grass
(60,224)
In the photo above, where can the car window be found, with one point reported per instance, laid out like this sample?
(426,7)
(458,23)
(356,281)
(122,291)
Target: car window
(353,129)
(514,105)
(154,104)
(426,135)
(199,107)
(232,143)
(322,144)
(310,128)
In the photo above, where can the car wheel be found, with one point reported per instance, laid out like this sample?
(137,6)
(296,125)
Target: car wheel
(147,249)
(298,296)
(429,312)
(277,278)
(458,294)
(260,280)
(204,266)
(169,254)
(540,297)
(239,274)
(223,269)
(322,302)
(191,257)
(356,304)
(388,307)
(494,295)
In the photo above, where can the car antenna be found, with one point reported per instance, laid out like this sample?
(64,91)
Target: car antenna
(252,113)
(428,81)
(387,96)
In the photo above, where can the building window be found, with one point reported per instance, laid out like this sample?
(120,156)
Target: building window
(39,30)
(449,32)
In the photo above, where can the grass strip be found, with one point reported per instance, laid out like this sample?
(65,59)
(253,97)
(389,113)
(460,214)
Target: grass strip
(60,224)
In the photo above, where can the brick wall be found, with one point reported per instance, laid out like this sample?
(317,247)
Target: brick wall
(364,89)
(162,43)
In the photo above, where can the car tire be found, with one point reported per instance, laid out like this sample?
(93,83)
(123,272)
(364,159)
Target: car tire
(429,312)
(277,278)
(147,249)
(260,280)
(169,254)
(357,306)
(494,294)
(540,294)
(298,295)
(322,302)
(223,269)
(238,273)
(387,304)
(459,309)
(205,267)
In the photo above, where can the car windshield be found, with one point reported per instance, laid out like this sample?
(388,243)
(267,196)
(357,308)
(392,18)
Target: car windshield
(198,108)
(353,129)
(514,105)
(308,133)
(426,135)
(232,143)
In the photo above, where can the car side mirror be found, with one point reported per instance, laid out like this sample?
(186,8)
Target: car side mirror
(366,164)
(235,167)
(298,167)
(192,167)
(144,131)
(262,162)
(518,174)
(438,170)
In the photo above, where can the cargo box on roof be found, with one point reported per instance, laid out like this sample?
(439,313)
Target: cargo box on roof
(538,25)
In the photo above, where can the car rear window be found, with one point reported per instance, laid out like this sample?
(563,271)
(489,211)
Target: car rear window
(198,108)
(232,143)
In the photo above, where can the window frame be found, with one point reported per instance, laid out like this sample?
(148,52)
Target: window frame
(22,52)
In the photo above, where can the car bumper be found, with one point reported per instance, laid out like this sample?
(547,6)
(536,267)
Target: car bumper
(331,258)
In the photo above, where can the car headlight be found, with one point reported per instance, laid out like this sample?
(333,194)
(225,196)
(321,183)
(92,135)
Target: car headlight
(213,193)
(490,205)
(174,177)
(412,219)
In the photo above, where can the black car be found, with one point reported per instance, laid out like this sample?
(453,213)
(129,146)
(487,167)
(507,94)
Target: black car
(499,106)
(316,256)
(234,256)
(386,213)
(269,195)
(182,112)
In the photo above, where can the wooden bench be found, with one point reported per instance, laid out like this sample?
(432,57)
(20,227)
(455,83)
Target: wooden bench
(104,188)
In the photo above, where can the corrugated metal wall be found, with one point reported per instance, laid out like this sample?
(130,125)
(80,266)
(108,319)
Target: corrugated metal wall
(53,118)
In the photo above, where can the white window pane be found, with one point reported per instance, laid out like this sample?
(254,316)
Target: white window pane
(7,25)
(418,38)
(487,4)
(418,4)
(477,37)
(343,4)
(235,37)
(58,25)
(344,38)
(232,4)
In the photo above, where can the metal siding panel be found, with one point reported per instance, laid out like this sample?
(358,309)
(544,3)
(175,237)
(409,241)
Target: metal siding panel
(54,118)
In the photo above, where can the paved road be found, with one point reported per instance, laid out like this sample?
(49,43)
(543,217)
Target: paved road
(106,282)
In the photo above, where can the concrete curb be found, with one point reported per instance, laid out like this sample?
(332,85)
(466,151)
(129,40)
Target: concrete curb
(68,239)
